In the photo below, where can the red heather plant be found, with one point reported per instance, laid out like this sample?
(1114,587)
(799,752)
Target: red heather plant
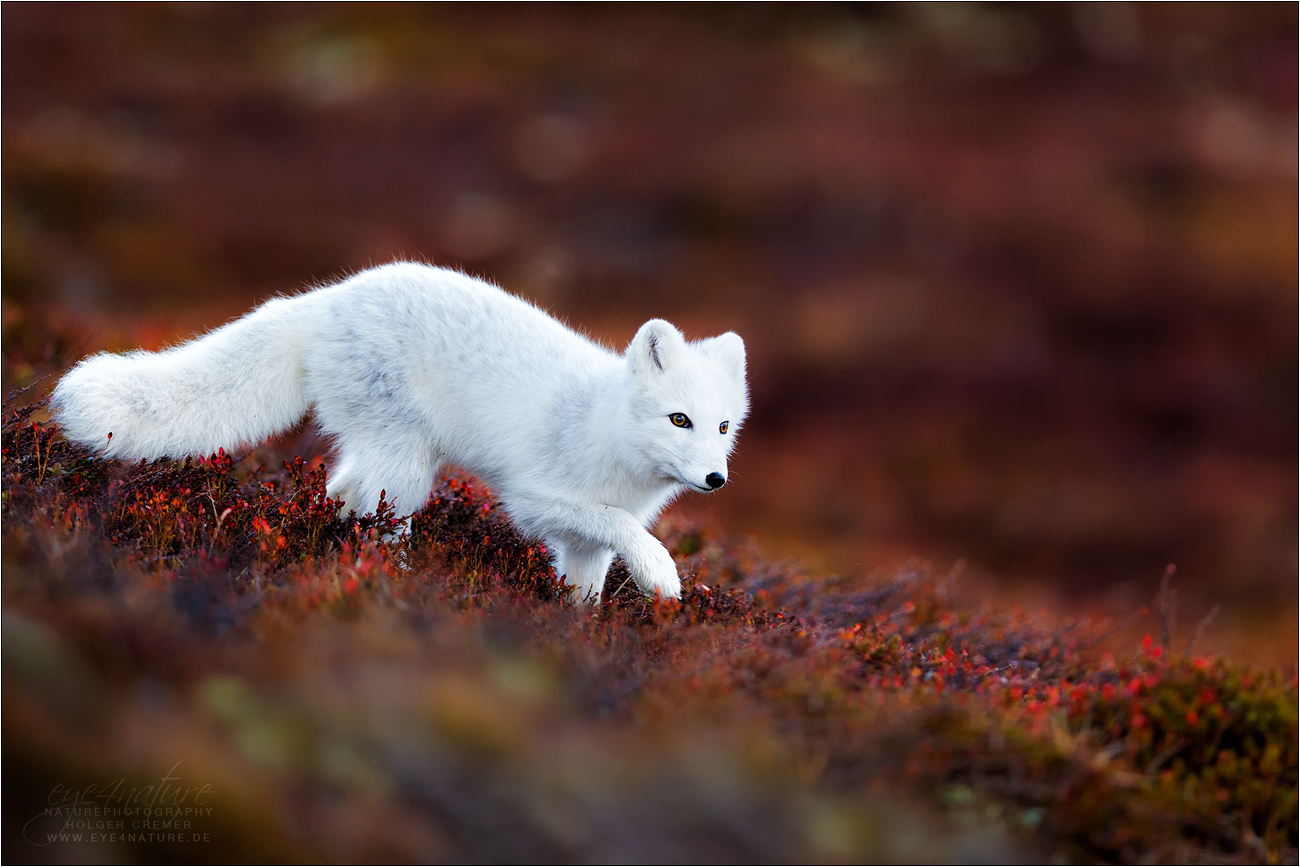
(434,688)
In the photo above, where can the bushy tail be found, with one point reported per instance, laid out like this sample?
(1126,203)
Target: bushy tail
(233,386)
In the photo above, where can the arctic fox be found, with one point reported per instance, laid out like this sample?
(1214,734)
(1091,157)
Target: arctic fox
(408,366)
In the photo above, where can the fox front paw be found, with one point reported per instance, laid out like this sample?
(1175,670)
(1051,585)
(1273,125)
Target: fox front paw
(656,573)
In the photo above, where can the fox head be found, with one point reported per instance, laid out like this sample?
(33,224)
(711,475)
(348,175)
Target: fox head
(686,403)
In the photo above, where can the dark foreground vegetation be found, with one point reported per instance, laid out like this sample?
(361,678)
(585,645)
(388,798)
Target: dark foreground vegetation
(204,661)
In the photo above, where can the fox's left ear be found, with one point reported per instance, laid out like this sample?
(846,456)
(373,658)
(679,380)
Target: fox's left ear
(655,348)
(730,350)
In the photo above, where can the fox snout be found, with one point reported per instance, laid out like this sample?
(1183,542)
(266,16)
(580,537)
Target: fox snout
(715,480)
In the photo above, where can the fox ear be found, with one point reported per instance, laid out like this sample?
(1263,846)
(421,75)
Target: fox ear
(729,349)
(655,347)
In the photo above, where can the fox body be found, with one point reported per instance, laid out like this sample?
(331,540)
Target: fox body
(408,367)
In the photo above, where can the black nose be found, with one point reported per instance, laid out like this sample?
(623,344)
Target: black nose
(715,480)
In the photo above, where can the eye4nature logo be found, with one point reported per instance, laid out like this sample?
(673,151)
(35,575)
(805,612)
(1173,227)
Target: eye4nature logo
(169,811)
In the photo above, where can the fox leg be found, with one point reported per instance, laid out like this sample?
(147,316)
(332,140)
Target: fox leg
(584,569)
(400,468)
(576,527)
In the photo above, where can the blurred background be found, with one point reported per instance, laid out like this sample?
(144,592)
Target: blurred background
(1018,283)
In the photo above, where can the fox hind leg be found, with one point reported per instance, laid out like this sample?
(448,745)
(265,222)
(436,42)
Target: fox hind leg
(402,469)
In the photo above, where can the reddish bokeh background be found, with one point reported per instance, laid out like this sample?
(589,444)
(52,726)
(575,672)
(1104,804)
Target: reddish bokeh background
(1018,282)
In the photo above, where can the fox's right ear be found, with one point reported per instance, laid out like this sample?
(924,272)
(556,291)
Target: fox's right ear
(730,350)
(655,347)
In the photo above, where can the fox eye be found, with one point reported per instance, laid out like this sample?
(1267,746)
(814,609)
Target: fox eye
(722,428)
(680,419)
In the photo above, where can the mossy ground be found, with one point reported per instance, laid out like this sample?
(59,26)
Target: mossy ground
(205,661)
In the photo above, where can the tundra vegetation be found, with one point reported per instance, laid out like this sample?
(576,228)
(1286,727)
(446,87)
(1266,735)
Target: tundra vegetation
(204,659)
(1017,284)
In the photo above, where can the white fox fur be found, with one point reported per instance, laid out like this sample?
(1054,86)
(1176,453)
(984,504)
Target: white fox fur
(409,366)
